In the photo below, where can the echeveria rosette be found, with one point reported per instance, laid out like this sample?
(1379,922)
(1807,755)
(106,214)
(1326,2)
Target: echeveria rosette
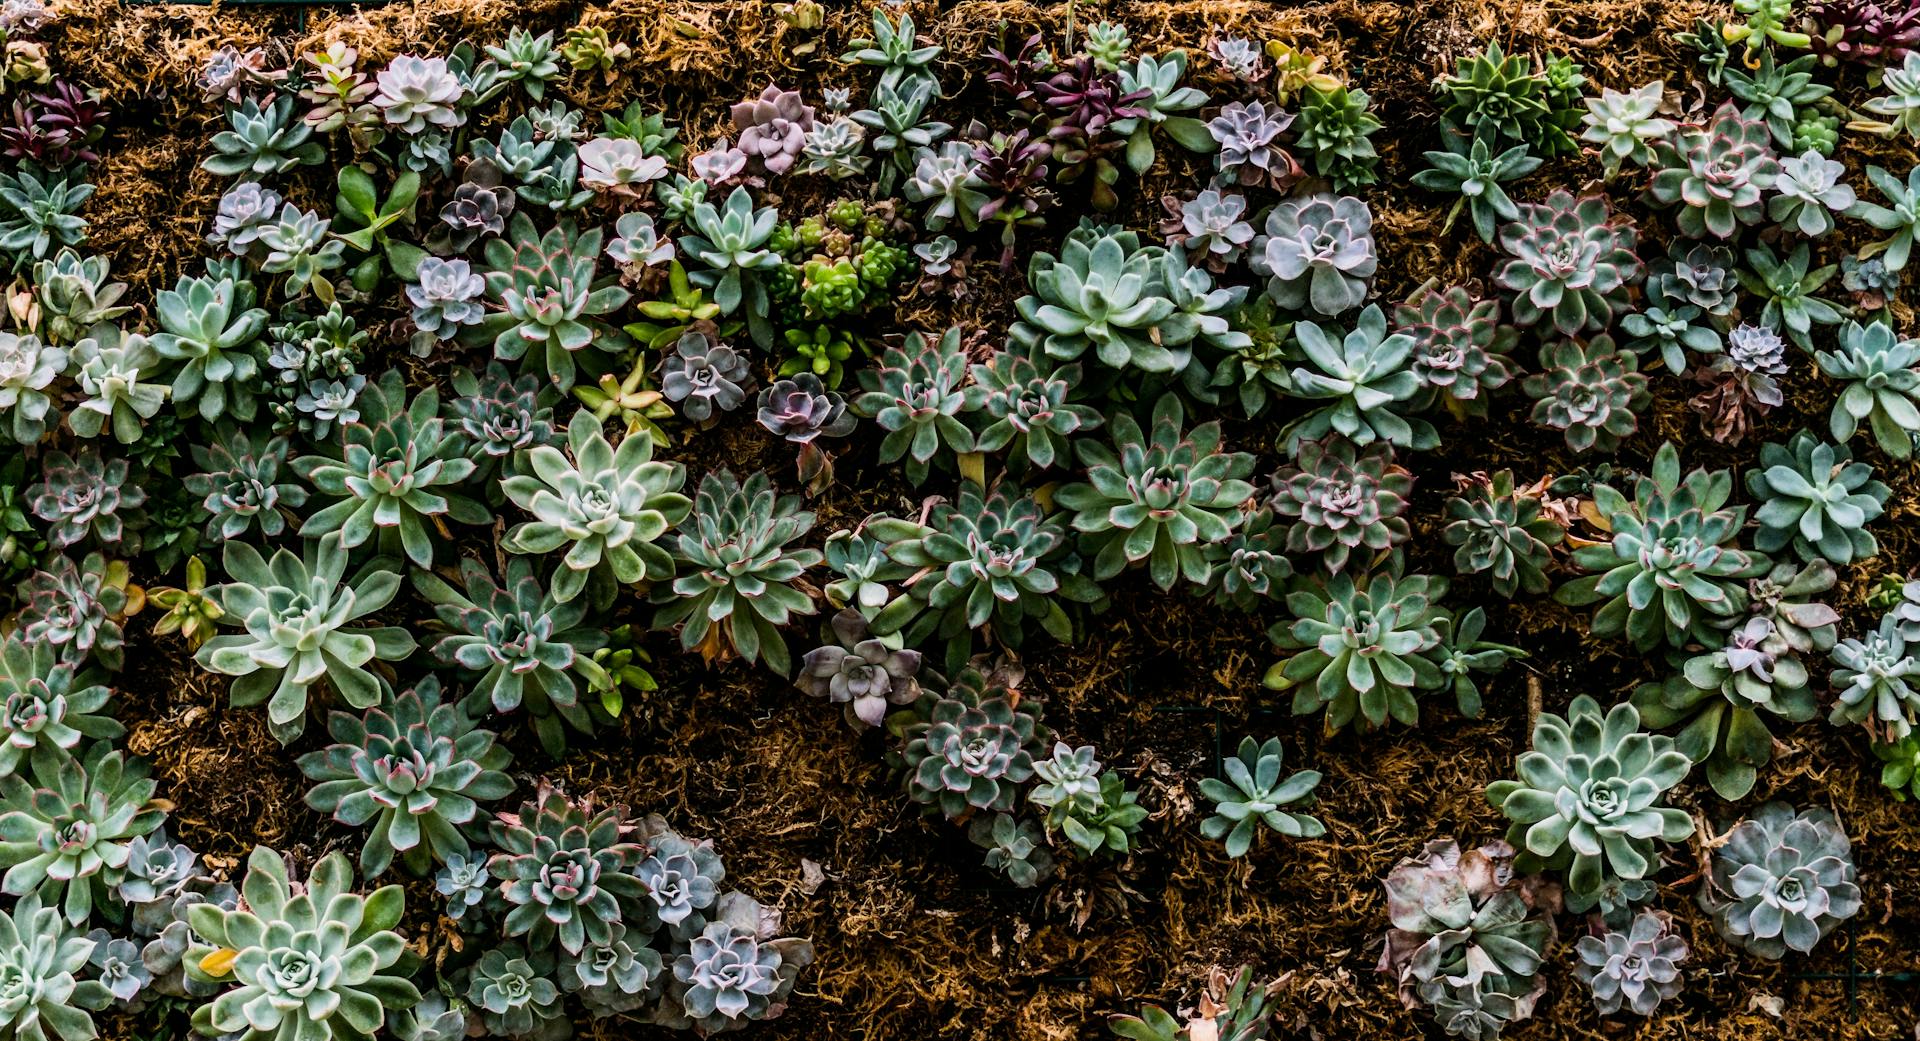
(1317,253)
(1338,499)
(1461,347)
(512,991)
(297,612)
(28,369)
(1365,377)
(1162,497)
(67,824)
(209,326)
(567,872)
(608,506)
(918,394)
(241,484)
(1718,173)
(1573,263)
(1592,392)
(1672,572)
(1900,216)
(1782,881)
(1815,498)
(1360,648)
(1881,372)
(1108,293)
(1587,797)
(1254,793)
(1635,968)
(1877,681)
(41,959)
(313,962)
(44,704)
(860,671)
(969,749)
(1501,531)
(550,307)
(1028,401)
(413,772)
(735,971)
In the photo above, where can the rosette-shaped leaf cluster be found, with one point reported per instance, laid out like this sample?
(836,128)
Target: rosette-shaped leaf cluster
(1495,96)
(1161,496)
(736,588)
(513,992)
(550,306)
(112,370)
(917,395)
(263,140)
(1027,400)
(1460,347)
(1338,499)
(970,748)
(43,961)
(1254,794)
(567,873)
(1317,253)
(1108,293)
(1881,372)
(28,368)
(209,326)
(43,704)
(414,772)
(1360,648)
(1634,968)
(1877,680)
(497,414)
(1718,173)
(1815,498)
(298,613)
(1251,566)
(88,497)
(1782,881)
(1590,391)
(398,468)
(609,507)
(1249,147)
(1625,125)
(313,962)
(1672,572)
(732,245)
(1587,798)
(241,486)
(860,671)
(1365,377)
(1500,531)
(1469,936)
(736,970)
(1091,807)
(77,608)
(66,824)
(1573,264)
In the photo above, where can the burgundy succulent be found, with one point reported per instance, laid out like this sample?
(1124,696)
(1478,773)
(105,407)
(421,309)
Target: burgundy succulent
(55,128)
(1873,32)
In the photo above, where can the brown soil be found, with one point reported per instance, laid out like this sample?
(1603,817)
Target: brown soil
(914,939)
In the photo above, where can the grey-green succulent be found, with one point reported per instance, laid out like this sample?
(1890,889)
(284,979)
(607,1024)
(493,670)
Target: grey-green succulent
(1782,881)
(1881,373)
(66,824)
(1360,648)
(1254,793)
(1815,498)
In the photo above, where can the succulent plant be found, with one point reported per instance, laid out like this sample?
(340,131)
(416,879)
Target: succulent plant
(1788,286)
(545,283)
(513,990)
(1468,936)
(467,886)
(567,872)
(308,962)
(1717,173)
(702,375)
(1901,764)
(39,216)
(1590,391)
(1363,376)
(1250,152)
(735,971)
(44,960)
(1496,97)
(1587,800)
(1626,124)
(1160,496)
(1254,793)
(209,325)
(1901,216)
(417,94)
(893,47)
(970,748)
(1108,293)
(1782,881)
(1882,386)
(1460,345)
(899,127)
(446,297)
(111,371)
(87,498)
(1335,127)
(413,771)
(1361,644)
(1015,848)
(76,608)
(241,486)
(948,181)
(66,822)
(1871,676)
(1864,31)
(1810,193)
(732,246)
(1028,400)
(1671,333)
(1339,498)
(1474,172)
(263,140)
(860,671)
(609,507)
(1784,596)
(1090,807)
(1776,94)
(1317,253)
(1634,968)
(918,394)
(1238,57)
(737,588)
(1815,498)
(43,705)
(773,128)
(1501,531)
(297,612)
(1573,263)
(1210,226)
(28,368)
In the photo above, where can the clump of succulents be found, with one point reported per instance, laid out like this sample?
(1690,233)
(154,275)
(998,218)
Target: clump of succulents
(1718,173)
(1160,496)
(1015,848)
(1468,936)
(1493,96)
(1573,263)
(1360,648)
(241,485)
(736,586)
(1254,794)
(550,304)
(1317,253)
(318,961)
(1626,124)
(1590,391)
(1587,797)
(1250,146)
(1108,293)
(1501,531)
(413,771)
(1338,498)
(1635,968)
(1816,499)
(860,671)
(88,498)
(1878,683)
(567,872)
(1785,597)
(43,704)
(969,748)
(1881,373)
(1364,376)
(1782,881)
(77,816)
(1864,31)
(917,395)
(298,613)
(1461,346)
(1090,807)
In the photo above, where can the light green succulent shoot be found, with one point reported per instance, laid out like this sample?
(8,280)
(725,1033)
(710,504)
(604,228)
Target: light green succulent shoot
(1625,125)
(893,48)
(1900,105)
(1108,293)
(1900,216)
(1816,499)
(1587,797)
(209,325)
(1161,496)
(1255,793)
(608,506)
(1362,376)
(731,244)
(40,958)
(1361,648)
(37,215)
(297,612)
(112,370)
(551,308)
(300,964)
(1164,101)
(1882,376)
(1474,172)
(66,824)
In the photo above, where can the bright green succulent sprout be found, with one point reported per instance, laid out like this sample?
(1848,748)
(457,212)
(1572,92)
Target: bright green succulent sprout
(1625,125)
(1496,97)
(1500,532)
(1720,696)
(1161,496)
(1363,376)
(1339,499)
(1776,94)
(1336,129)
(1673,572)
(1029,401)
(609,506)
(300,963)
(918,395)
(1815,498)
(263,140)
(1254,793)
(1091,807)
(1900,765)
(1573,263)
(66,822)
(526,646)
(1900,216)
(1474,173)
(45,704)
(1882,376)
(297,612)
(1108,293)
(1360,648)
(1717,173)
(551,307)
(414,772)
(42,959)
(396,475)
(987,559)
(112,370)
(210,326)
(1878,681)
(893,48)
(1164,103)
(37,215)
(732,245)
(1587,797)
(567,872)
(737,587)
(969,749)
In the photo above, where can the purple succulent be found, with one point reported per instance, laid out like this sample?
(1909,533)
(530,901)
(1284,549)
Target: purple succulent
(860,672)
(800,408)
(773,128)
(1251,152)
